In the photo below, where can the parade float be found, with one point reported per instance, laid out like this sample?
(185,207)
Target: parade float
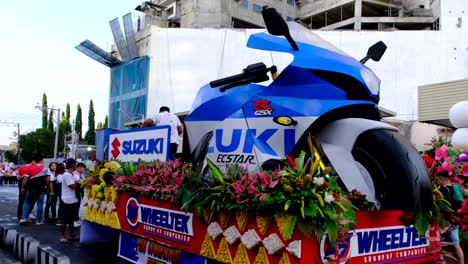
(299,171)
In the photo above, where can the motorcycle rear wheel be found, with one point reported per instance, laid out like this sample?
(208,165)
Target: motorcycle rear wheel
(398,172)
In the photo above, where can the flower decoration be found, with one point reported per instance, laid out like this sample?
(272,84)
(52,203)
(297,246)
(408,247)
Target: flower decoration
(329,198)
(273,244)
(295,248)
(214,230)
(428,160)
(442,153)
(465,171)
(251,239)
(445,167)
(232,235)
(156,179)
(319,181)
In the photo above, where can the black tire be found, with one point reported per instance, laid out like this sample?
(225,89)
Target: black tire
(399,174)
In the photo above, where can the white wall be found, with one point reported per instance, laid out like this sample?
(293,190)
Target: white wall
(184,59)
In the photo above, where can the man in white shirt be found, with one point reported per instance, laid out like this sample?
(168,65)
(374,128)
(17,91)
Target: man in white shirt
(165,117)
(70,201)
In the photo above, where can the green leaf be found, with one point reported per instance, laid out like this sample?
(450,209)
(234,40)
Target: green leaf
(305,228)
(331,227)
(217,173)
(422,222)
(312,209)
(289,228)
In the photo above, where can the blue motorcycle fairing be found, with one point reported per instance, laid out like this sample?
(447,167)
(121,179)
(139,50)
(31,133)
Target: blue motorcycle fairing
(311,57)
(296,107)
(212,105)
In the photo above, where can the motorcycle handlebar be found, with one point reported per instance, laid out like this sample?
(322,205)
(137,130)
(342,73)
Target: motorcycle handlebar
(227,80)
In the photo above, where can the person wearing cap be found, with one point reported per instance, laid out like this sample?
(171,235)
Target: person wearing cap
(70,201)
(165,117)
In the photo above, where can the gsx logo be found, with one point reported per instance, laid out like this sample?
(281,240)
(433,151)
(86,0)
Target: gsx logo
(132,212)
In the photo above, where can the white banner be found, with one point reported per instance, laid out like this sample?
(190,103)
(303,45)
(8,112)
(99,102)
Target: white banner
(140,144)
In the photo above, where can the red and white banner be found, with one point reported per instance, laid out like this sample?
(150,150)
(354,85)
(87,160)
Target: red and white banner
(379,236)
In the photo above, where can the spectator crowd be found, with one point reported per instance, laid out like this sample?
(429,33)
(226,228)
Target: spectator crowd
(54,190)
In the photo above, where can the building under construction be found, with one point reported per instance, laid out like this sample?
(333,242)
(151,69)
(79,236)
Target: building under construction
(314,14)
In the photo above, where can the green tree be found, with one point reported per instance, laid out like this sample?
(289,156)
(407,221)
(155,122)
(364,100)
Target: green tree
(68,127)
(38,142)
(44,110)
(99,124)
(91,135)
(67,112)
(63,125)
(11,156)
(106,122)
(50,124)
(79,123)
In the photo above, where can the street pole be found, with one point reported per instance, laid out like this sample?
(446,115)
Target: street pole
(56,134)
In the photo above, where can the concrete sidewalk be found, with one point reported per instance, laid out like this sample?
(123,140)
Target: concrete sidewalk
(48,234)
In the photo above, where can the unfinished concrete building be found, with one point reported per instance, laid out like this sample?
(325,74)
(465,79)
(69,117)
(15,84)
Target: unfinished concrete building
(371,14)
(314,14)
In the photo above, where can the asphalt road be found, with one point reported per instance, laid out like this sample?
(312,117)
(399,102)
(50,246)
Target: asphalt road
(49,234)
(5,258)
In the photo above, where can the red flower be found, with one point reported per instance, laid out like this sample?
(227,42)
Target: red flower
(238,187)
(428,160)
(445,167)
(290,160)
(465,170)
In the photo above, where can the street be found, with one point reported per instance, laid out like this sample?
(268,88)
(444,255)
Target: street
(7,259)
(49,234)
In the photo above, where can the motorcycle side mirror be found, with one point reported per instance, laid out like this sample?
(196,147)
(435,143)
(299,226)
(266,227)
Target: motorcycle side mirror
(375,52)
(276,25)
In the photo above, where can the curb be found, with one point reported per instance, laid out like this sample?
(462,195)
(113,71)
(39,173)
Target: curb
(25,247)
(48,255)
(28,250)
(7,237)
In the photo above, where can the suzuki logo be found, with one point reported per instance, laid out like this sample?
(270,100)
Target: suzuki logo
(262,107)
(115,148)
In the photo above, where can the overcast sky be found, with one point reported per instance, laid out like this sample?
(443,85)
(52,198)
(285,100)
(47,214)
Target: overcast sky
(37,55)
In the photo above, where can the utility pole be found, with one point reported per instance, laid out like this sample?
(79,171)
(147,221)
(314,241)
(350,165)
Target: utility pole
(57,125)
(17,141)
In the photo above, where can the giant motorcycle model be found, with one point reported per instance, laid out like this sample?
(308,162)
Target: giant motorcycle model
(323,93)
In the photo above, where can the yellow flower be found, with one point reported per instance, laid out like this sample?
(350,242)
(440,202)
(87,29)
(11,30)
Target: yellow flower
(285,181)
(299,183)
(288,188)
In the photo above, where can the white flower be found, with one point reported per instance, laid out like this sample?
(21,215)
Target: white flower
(251,239)
(329,198)
(215,230)
(232,235)
(319,181)
(273,244)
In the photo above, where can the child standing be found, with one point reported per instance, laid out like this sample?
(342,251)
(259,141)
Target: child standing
(70,201)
